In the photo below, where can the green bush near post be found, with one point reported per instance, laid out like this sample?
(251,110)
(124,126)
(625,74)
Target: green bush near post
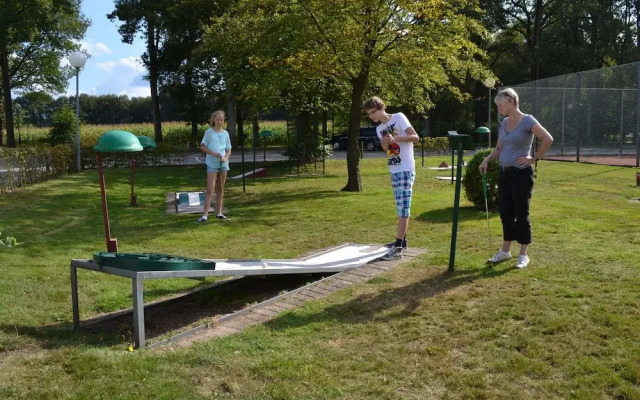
(472,181)
(63,127)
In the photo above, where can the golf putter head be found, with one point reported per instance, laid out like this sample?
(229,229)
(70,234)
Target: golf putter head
(112,245)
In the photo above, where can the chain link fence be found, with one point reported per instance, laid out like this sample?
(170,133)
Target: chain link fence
(590,114)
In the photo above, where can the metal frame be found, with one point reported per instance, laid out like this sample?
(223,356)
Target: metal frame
(323,262)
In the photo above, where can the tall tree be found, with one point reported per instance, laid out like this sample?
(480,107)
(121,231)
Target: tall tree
(562,36)
(233,42)
(34,36)
(530,18)
(190,73)
(256,76)
(36,107)
(146,17)
(410,49)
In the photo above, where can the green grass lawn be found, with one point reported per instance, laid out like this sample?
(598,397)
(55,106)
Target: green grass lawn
(566,327)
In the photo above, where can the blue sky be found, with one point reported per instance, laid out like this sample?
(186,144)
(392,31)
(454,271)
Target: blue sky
(113,67)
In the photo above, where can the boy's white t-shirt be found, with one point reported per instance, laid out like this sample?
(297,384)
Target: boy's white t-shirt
(400,154)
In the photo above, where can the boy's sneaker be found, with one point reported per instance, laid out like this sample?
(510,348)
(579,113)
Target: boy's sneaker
(501,256)
(523,261)
(393,244)
(394,253)
(202,219)
(221,216)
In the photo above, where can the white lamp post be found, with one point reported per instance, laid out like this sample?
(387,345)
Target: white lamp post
(489,83)
(77,60)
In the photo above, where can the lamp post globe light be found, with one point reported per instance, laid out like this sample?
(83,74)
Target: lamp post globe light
(77,61)
(489,83)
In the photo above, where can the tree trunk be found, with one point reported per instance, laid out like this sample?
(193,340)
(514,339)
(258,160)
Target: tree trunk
(6,94)
(239,121)
(1,121)
(152,48)
(537,30)
(193,109)
(479,106)
(304,137)
(637,7)
(353,146)
(256,131)
(324,125)
(231,113)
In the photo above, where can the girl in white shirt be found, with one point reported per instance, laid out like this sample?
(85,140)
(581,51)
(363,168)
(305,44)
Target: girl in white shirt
(216,144)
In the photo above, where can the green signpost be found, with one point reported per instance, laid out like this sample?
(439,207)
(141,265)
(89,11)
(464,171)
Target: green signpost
(458,143)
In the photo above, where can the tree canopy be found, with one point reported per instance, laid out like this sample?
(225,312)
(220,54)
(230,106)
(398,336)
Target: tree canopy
(34,36)
(403,51)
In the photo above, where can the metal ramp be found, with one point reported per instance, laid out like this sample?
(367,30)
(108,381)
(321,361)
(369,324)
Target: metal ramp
(332,260)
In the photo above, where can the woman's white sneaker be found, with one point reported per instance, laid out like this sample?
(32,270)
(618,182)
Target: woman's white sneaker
(523,261)
(501,256)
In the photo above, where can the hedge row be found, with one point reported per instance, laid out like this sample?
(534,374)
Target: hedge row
(28,165)
(23,166)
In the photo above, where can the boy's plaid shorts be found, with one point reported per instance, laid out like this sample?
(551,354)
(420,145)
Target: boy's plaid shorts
(402,184)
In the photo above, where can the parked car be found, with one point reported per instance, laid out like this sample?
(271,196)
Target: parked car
(368,138)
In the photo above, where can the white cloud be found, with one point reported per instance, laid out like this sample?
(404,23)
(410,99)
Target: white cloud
(103,48)
(137,91)
(134,63)
(107,65)
(95,49)
(130,63)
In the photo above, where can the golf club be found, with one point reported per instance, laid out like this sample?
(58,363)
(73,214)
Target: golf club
(486,205)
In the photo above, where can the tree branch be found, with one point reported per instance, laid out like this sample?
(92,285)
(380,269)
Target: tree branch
(322,32)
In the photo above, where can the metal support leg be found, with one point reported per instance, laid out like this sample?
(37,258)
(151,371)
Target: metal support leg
(138,312)
(74,297)
(452,163)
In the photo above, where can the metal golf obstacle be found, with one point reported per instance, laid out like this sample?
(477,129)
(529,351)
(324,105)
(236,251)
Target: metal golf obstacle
(141,266)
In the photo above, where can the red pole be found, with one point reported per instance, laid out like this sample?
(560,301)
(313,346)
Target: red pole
(134,200)
(112,244)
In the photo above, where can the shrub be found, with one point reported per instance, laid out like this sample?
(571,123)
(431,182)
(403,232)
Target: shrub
(323,150)
(436,144)
(472,181)
(63,126)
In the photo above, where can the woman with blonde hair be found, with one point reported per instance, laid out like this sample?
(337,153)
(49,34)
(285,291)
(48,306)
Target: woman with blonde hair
(515,178)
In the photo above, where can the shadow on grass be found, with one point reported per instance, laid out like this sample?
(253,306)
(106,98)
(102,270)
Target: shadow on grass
(585,176)
(378,306)
(164,318)
(445,215)
(258,208)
